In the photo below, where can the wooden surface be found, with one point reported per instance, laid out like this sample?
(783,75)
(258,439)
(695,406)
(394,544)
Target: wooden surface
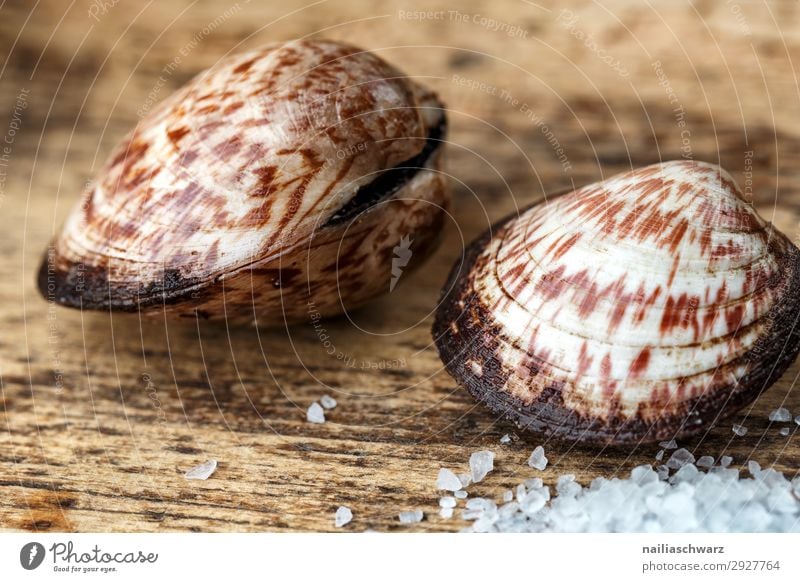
(101,415)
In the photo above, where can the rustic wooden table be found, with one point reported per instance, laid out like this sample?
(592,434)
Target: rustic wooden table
(102,415)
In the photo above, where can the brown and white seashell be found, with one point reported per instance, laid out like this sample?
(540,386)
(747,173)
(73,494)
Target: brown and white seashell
(640,308)
(274,185)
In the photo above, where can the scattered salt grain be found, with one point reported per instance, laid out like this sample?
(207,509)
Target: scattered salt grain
(315,414)
(705,461)
(739,430)
(447,480)
(481,463)
(660,455)
(668,444)
(797,419)
(328,402)
(780,415)
(465,479)
(447,502)
(785,431)
(446,512)
(460,494)
(411,516)
(505,439)
(725,461)
(202,471)
(508,495)
(537,460)
(343,516)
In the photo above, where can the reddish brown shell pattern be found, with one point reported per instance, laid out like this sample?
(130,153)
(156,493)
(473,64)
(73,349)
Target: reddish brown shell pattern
(643,307)
(228,199)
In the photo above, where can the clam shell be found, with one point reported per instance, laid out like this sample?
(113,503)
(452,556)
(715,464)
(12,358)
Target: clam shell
(640,308)
(276,184)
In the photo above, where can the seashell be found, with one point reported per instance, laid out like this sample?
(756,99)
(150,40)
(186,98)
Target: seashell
(276,186)
(640,308)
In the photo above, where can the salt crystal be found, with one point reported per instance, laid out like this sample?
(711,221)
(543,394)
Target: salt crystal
(780,415)
(739,430)
(447,480)
(705,461)
(465,479)
(533,483)
(532,502)
(725,461)
(508,495)
(328,402)
(797,419)
(315,414)
(343,516)
(411,516)
(643,474)
(480,464)
(680,458)
(481,503)
(660,455)
(505,439)
(447,502)
(687,473)
(484,523)
(446,512)
(460,494)
(754,468)
(785,431)
(202,471)
(668,444)
(537,459)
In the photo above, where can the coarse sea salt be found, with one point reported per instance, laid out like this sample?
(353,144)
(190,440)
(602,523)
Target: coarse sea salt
(537,460)
(739,430)
(414,516)
(785,431)
(446,480)
(505,439)
(705,461)
(315,414)
(780,415)
(683,500)
(481,463)
(343,516)
(680,458)
(202,471)
(328,402)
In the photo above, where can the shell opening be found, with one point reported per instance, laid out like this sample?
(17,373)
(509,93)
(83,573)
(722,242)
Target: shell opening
(391,180)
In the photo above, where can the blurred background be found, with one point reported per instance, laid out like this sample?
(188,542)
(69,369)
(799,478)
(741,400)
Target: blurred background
(103,415)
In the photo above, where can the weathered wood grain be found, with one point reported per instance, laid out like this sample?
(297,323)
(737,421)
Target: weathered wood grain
(102,415)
